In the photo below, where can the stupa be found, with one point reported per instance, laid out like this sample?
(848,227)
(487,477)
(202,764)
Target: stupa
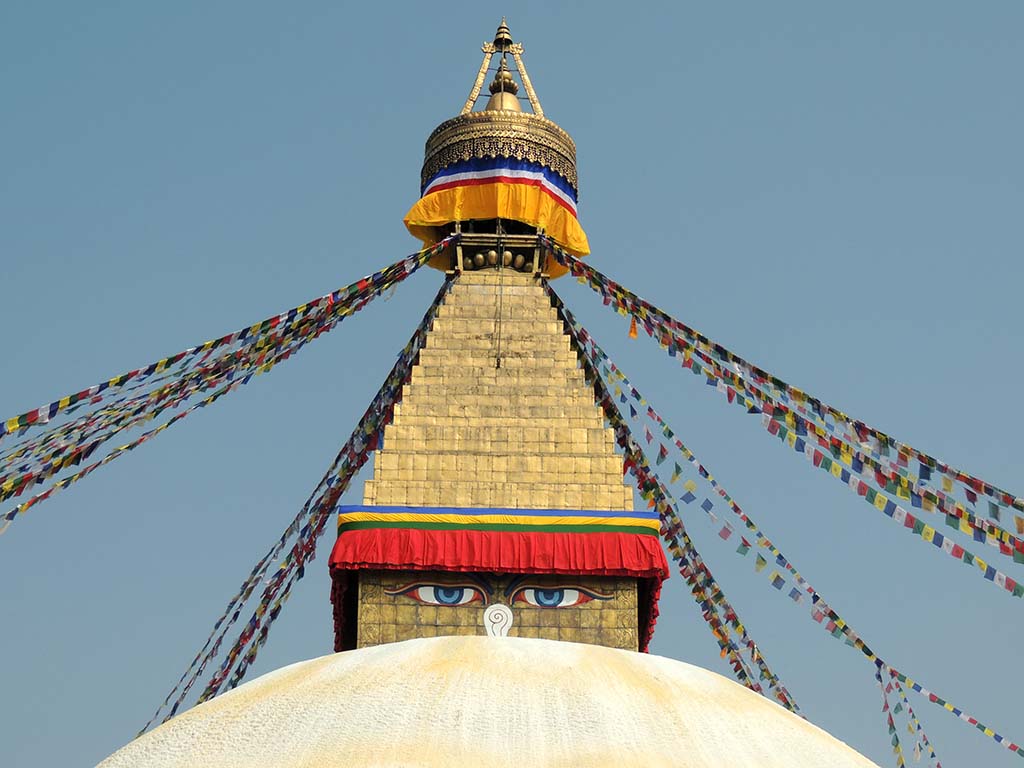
(496,591)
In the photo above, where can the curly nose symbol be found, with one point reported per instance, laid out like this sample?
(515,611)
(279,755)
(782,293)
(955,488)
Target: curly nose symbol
(498,620)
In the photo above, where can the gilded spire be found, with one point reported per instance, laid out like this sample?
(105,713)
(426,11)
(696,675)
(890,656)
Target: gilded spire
(503,37)
(503,90)
(504,87)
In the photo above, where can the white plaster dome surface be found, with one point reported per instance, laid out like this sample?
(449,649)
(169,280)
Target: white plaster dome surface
(489,701)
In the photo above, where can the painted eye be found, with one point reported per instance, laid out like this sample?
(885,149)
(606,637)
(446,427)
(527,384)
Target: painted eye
(441,594)
(552,598)
(445,595)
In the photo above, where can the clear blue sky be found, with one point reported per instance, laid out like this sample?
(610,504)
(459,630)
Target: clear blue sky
(835,192)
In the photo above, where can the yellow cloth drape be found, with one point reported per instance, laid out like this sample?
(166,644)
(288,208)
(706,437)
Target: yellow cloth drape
(519,202)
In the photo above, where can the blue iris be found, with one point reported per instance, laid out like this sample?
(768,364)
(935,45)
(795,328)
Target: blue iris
(449,595)
(549,598)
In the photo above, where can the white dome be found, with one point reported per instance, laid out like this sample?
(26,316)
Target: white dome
(495,702)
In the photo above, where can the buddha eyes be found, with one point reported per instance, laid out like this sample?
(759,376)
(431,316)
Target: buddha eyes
(441,594)
(464,594)
(560,597)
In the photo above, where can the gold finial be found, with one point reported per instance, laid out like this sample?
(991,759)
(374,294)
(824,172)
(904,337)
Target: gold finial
(503,37)
(503,91)
(504,99)
(503,80)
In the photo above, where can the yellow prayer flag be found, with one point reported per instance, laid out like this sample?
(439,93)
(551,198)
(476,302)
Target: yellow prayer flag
(690,486)
(947,484)
(880,501)
(928,533)
(836,469)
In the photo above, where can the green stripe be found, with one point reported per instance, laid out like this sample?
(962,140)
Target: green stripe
(363,525)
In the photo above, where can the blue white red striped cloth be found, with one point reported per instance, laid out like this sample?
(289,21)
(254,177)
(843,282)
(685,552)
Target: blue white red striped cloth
(504,170)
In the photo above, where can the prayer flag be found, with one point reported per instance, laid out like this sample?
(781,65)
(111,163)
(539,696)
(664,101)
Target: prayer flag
(994,511)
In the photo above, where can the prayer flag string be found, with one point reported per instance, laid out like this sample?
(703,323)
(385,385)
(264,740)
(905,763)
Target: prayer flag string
(595,359)
(44,413)
(721,618)
(894,736)
(309,524)
(221,365)
(915,724)
(673,333)
(797,430)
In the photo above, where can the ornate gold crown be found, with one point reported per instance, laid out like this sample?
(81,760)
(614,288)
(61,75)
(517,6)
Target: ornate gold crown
(501,129)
